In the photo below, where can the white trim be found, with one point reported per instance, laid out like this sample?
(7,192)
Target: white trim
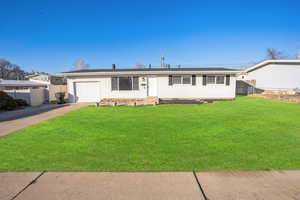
(147,73)
(266,62)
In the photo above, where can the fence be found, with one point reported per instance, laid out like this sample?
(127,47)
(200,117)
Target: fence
(52,89)
(244,88)
(33,97)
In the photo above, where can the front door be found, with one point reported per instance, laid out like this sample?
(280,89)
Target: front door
(152,86)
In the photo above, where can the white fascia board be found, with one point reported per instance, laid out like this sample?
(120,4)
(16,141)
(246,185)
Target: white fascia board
(147,73)
(266,62)
(24,85)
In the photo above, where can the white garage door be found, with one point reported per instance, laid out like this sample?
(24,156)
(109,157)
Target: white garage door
(87,91)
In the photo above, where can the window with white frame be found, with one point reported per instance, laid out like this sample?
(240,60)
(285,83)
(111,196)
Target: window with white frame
(125,83)
(211,80)
(176,80)
(219,79)
(186,79)
(181,79)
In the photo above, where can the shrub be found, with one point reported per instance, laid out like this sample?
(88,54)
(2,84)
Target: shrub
(9,103)
(21,102)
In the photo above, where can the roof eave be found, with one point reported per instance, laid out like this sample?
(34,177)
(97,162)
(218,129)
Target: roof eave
(21,85)
(70,74)
(267,62)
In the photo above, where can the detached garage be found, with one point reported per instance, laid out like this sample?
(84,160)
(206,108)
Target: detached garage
(87,91)
(273,75)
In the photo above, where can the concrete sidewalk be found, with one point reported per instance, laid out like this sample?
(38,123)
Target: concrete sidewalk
(28,111)
(35,117)
(275,185)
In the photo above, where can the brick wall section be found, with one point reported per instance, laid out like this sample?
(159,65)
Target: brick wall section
(129,101)
(279,96)
(152,101)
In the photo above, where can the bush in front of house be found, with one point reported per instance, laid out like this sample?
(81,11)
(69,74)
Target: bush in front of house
(21,102)
(9,103)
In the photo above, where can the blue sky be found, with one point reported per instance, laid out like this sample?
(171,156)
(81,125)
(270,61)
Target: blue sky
(50,35)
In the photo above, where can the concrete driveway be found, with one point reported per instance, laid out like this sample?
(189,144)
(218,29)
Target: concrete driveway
(15,120)
(231,185)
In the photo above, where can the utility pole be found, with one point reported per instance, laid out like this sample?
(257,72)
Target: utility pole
(162,62)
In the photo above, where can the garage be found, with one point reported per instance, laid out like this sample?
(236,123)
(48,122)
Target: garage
(87,91)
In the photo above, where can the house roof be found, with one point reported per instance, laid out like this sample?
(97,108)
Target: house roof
(267,62)
(150,71)
(21,83)
(37,74)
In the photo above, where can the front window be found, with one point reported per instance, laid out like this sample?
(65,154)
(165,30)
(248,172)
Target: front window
(215,79)
(177,80)
(181,80)
(186,79)
(211,79)
(220,80)
(125,83)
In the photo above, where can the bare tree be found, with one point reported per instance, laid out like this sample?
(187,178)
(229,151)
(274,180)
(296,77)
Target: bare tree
(80,65)
(273,54)
(11,71)
(4,62)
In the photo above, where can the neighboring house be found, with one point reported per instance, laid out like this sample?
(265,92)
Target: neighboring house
(156,83)
(32,92)
(20,84)
(274,75)
(55,84)
(47,78)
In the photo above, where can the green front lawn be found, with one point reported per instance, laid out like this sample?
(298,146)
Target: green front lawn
(247,134)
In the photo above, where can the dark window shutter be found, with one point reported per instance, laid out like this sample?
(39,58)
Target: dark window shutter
(135,83)
(114,83)
(170,80)
(193,79)
(204,80)
(227,79)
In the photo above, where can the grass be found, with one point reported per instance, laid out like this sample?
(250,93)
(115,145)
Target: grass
(246,134)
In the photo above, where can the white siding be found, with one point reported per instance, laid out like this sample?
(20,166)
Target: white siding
(196,91)
(105,88)
(164,90)
(37,97)
(276,77)
(33,97)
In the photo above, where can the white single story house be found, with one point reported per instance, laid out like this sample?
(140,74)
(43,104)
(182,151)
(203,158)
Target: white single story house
(47,79)
(94,85)
(273,75)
